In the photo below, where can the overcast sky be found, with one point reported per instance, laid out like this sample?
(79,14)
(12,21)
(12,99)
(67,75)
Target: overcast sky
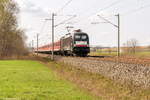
(134,15)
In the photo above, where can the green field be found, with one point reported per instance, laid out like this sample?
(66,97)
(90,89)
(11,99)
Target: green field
(137,54)
(31,80)
(143,54)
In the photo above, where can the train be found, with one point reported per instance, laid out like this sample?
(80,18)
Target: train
(72,44)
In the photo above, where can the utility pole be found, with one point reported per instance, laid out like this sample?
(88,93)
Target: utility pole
(37,44)
(118,34)
(32,46)
(53,26)
(53,35)
(118,27)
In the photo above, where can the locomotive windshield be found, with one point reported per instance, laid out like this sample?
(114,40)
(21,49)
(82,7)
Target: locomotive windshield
(77,37)
(81,37)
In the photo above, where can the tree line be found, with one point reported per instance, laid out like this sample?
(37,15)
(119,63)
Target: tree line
(12,39)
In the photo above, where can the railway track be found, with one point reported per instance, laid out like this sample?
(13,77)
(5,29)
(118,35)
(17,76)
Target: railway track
(124,59)
(123,70)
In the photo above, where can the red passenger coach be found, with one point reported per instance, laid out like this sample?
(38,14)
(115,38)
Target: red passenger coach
(48,48)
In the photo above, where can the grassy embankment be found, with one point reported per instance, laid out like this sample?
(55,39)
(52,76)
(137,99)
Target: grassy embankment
(30,80)
(98,85)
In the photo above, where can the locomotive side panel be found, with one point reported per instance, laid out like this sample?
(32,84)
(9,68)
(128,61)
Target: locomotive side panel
(66,44)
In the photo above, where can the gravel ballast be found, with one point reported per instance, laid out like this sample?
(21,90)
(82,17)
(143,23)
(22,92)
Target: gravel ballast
(131,74)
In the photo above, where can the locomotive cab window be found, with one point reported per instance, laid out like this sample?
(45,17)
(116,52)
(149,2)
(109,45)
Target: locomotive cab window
(83,37)
(80,37)
(77,37)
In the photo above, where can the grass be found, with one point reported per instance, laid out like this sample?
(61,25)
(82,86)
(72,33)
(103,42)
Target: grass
(137,54)
(31,80)
(142,54)
(100,86)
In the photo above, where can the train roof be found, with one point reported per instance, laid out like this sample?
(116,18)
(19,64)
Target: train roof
(80,33)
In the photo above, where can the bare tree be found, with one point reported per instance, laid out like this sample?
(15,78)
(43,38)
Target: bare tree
(12,39)
(134,44)
(149,48)
(131,46)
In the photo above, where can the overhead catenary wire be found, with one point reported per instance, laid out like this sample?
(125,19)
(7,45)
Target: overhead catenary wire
(63,7)
(57,15)
(136,10)
(102,9)
(111,5)
(107,21)
(63,22)
(107,7)
(114,3)
(46,36)
(43,26)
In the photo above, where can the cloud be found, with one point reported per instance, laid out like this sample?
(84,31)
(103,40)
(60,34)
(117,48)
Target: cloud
(27,6)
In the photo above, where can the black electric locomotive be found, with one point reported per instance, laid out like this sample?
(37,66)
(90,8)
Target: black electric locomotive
(75,44)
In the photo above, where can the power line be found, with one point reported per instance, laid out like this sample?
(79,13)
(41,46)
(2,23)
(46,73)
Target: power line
(108,21)
(43,26)
(136,10)
(107,7)
(63,7)
(63,22)
(47,36)
(112,4)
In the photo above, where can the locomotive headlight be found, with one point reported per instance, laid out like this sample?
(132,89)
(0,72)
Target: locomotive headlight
(81,43)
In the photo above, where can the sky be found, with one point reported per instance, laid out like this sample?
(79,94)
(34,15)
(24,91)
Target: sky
(134,20)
